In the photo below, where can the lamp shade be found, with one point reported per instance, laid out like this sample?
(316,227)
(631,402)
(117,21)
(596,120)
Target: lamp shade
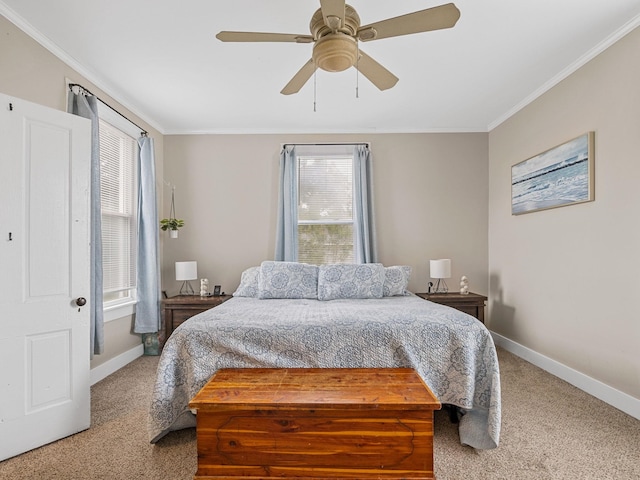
(186,271)
(440,268)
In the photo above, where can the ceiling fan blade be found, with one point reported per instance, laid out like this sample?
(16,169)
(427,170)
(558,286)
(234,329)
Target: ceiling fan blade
(376,73)
(263,37)
(300,78)
(436,18)
(333,13)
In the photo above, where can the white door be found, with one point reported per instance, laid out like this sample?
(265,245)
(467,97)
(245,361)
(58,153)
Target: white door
(44,258)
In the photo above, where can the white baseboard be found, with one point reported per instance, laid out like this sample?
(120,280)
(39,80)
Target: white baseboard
(116,363)
(607,394)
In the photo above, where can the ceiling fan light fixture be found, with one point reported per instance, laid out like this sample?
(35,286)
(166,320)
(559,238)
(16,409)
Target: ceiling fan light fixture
(335,52)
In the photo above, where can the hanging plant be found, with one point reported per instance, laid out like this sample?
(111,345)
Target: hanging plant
(172,224)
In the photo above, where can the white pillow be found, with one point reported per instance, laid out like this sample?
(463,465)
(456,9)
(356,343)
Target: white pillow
(287,280)
(396,279)
(248,283)
(347,280)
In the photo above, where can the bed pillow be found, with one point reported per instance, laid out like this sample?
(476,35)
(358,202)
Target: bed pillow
(364,280)
(287,280)
(396,279)
(248,283)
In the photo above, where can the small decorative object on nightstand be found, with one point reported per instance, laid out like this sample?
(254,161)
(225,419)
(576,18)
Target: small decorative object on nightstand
(470,303)
(178,309)
(204,287)
(464,285)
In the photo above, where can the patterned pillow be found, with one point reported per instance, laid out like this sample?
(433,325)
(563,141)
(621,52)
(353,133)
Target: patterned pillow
(248,283)
(287,280)
(396,279)
(364,280)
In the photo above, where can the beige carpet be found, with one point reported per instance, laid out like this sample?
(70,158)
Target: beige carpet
(550,430)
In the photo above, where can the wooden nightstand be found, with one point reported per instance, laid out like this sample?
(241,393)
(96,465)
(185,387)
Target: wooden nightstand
(177,309)
(470,303)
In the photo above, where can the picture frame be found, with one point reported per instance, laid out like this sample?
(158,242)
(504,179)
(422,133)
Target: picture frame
(216,290)
(558,177)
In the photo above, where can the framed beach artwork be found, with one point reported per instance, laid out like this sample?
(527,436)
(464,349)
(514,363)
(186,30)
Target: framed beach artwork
(558,177)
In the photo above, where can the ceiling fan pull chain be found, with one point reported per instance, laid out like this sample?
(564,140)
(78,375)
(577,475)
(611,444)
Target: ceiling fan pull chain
(314,90)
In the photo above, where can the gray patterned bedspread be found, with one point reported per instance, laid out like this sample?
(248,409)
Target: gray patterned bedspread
(452,352)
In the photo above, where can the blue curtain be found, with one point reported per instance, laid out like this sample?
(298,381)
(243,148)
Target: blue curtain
(363,218)
(85,105)
(363,215)
(287,226)
(148,268)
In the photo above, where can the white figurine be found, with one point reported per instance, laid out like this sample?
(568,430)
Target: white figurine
(204,287)
(464,285)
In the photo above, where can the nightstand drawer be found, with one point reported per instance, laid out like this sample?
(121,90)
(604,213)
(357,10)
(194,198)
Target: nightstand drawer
(470,303)
(177,310)
(180,315)
(473,311)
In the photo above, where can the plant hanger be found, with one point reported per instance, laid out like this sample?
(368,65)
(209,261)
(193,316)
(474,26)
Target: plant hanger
(172,210)
(172,223)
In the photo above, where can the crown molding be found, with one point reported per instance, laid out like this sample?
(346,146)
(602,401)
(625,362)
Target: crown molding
(61,54)
(570,69)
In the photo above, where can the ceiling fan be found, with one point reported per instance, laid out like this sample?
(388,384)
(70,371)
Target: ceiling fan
(335,32)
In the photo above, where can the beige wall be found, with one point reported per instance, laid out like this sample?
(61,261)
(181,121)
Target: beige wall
(31,72)
(564,282)
(430,200)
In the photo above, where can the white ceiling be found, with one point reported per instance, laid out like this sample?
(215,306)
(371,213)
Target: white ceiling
(162,61)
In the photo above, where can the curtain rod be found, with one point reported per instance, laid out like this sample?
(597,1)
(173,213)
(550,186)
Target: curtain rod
(143,131)
(366,144)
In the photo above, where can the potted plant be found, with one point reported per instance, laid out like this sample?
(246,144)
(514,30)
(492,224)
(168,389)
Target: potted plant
(171,224)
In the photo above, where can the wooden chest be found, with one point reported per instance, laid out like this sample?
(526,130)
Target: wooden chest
(315,423)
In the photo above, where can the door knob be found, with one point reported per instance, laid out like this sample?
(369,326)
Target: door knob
(80,301)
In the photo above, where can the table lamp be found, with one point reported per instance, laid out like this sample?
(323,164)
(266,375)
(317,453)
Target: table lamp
(440,269)
(186,271)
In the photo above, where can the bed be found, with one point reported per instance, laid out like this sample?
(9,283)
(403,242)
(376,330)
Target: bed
(451,351)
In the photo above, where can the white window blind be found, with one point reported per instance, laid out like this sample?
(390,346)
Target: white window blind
(118,155)
(325,209)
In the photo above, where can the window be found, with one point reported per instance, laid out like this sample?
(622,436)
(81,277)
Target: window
(325,205)
(325,209)
(118,167)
